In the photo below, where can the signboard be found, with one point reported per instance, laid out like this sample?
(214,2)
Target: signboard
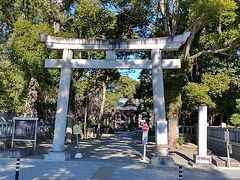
(77,129)
(230,148)
(24,129)
(226,135)
(145,128)
(161,126)
(145,137)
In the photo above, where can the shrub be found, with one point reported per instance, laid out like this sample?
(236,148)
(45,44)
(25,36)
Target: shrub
(235,120)
(180,140)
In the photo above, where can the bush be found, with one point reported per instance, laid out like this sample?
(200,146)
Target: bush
(235,119)
(180,140)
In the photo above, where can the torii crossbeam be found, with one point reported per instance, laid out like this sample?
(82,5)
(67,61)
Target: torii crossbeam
(157,64)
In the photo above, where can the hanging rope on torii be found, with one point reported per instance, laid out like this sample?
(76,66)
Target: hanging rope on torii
(157,64)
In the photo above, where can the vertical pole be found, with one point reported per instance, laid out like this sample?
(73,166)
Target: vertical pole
(17,169)
(13,132)
(77,143)
(98,131)
(144,152)
(202,157)
(202,131)
(159,103)
(85,119)
(180,173)
(35,138)
(62,101)
(228,155)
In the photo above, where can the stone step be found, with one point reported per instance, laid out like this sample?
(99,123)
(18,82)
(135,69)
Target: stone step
(222,161)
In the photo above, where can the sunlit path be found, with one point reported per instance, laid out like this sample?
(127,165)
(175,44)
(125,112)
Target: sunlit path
(117,147)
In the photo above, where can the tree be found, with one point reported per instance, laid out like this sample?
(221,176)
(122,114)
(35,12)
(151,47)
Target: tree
(198,17)
(92,21)
(144,89)
(124,87)
(28,53)
(213,47)
(197,95)
(12,87)
(209,92)
(235,118)
(206,14)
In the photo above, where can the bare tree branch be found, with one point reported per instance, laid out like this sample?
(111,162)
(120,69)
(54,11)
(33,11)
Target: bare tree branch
(212,51)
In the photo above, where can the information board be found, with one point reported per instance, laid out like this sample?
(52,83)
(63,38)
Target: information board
(77,129)
(24,129)
(226,135)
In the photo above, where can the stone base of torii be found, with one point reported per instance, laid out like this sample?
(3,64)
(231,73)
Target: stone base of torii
(156,64)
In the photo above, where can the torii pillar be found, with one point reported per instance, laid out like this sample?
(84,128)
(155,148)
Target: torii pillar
(159,104)
(62,109)
(157,64)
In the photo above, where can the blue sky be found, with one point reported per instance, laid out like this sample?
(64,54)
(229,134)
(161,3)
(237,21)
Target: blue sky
(133,73)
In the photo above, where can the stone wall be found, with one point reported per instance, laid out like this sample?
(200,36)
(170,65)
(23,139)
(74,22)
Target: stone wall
(218,147)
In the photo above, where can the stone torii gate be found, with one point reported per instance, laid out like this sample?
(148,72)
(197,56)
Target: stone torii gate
(157,64)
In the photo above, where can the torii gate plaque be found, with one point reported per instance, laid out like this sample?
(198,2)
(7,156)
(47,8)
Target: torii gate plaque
(155,45)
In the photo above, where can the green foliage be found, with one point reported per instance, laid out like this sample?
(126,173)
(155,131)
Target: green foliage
(91,21)
(235,120)
(180,140)
(125,87)
(27,49)
(216,72)
(217,84)
(212,11)
(12,86)
(197,95)
(238,105)
(207,92)
(144,89)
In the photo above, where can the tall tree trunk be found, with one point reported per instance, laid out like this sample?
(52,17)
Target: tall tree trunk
(173,118)
(165,14)
(57,18)
(170,15)
(175,17)
(30,109)
(173,130)
(104,90)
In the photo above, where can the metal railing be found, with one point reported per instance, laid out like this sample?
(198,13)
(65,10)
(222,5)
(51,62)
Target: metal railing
(218,132)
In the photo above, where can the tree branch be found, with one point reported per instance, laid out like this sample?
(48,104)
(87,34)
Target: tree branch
(137,21)
(165,14)
(175,16)
(212,51)
(194,28)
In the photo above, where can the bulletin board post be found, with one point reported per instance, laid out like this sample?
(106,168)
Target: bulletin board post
(25,129)
(145,130)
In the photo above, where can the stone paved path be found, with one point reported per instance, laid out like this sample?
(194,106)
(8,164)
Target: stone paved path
(112,157)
